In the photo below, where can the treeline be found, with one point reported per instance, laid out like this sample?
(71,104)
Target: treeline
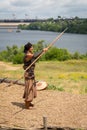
(15,55)
(75,25)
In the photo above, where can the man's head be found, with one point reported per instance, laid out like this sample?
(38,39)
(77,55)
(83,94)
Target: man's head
(27,47)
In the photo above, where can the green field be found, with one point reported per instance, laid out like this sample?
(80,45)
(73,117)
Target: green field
(68,76)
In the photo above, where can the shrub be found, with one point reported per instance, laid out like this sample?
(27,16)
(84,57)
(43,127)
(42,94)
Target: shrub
(18,59)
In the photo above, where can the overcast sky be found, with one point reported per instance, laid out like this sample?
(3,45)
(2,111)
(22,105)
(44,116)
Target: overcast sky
(42,8)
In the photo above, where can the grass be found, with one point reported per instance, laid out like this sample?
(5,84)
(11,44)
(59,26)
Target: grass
(68,76)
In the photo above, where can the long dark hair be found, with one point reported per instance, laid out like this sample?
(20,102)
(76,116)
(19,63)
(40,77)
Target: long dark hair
(27,47)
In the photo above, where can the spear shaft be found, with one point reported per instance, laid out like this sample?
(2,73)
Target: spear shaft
(51,44)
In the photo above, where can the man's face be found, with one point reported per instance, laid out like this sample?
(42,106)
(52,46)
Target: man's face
(31,49)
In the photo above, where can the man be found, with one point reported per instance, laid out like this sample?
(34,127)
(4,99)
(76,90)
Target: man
(30,86)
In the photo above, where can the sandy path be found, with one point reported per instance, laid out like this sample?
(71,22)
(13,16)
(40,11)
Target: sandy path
(8,66)
(61,109)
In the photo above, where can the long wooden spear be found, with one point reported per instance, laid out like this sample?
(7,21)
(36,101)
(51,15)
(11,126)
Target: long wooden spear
(47,48)
(51,44)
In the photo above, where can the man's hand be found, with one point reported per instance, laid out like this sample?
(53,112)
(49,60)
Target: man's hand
(45,49)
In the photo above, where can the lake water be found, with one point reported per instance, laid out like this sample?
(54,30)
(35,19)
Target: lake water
(72,42)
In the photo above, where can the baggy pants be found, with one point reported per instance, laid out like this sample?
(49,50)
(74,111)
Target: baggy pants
(30,90)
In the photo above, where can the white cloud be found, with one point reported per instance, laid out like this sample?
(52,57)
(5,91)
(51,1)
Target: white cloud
(43,9)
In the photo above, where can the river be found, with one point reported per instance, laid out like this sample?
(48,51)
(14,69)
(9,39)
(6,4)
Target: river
(71,42)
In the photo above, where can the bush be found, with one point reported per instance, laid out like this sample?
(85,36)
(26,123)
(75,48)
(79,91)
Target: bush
(57,54)
(15,54)
(76,55)
(18,59)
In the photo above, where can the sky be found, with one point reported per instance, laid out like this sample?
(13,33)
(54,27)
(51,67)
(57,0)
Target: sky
(21,9)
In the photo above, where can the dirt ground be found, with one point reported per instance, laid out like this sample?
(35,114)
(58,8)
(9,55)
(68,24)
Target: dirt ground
(61,109)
